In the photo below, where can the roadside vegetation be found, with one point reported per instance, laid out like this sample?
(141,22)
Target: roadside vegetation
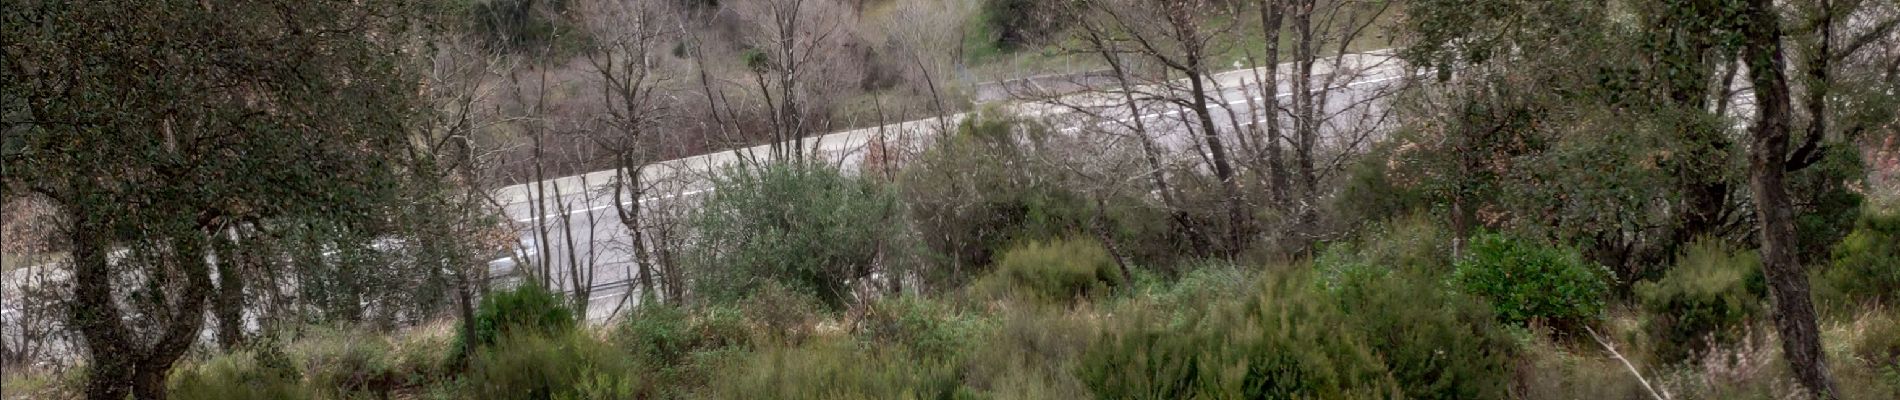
(1550,200)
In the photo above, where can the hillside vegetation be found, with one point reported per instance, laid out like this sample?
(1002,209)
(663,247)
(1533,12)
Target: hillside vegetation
(1508,199)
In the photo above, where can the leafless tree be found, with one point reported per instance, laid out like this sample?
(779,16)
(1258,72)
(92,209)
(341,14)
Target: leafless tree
(799,62)
(636,90)
(1316,26)
(923,30)
(1182,38)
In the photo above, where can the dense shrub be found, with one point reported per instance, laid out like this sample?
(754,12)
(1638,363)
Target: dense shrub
(804,226)
(1287,341)
(1525,281)
(1866,263)
(1374,191)
(1713,290)
(835,369)
(1203,282)
(346,361)
(247,374)
(570,364)
(1411,244)
(1057,271)
(1437,344)
(524,309)
(783,314)
(1879,347)
(930,329)
(978,190)
(656,334)
(1031,355)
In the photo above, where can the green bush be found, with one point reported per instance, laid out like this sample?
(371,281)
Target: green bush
(247,374)
(978,190)
(783,314)
(563,365)
(1438,344)
(656,334)
(1374,191)
(804,226)
(1031,355)
(1526,282)
(524,309)
(1713,291)
(1204,282)
(1058,271)
(1413,245)
(1866,263)
(836,370)
(927,328)
(1286,341)
(1879,347)
(346,361)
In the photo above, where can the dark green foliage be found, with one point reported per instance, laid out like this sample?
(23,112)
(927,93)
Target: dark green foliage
(804,226)
(979,190)
(1437,344)
(1057,271)
(557,365)
(1830,207)
(657,334)
(1866,264)
(527,309)
(1411,244)
(1712,292)
(1287,341)
(1375,192)
(1526,281)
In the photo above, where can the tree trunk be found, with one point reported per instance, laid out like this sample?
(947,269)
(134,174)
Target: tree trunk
(1271,13)
(1306,124)
(1787,281)
(230,303)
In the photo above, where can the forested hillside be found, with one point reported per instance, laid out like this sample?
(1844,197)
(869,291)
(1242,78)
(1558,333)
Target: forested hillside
(969,199)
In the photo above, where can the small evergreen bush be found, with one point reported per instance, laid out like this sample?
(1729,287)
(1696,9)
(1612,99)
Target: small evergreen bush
(524,309)
(1866,264)
(1058,271)
(1286,341)
(782,314)
(1525,281)
(974,192)
(1438,344)
(836,369)
(656,334)
(804,226)
(559,365)
(245,374)
(1713,291)
(346,360)
(929,329)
